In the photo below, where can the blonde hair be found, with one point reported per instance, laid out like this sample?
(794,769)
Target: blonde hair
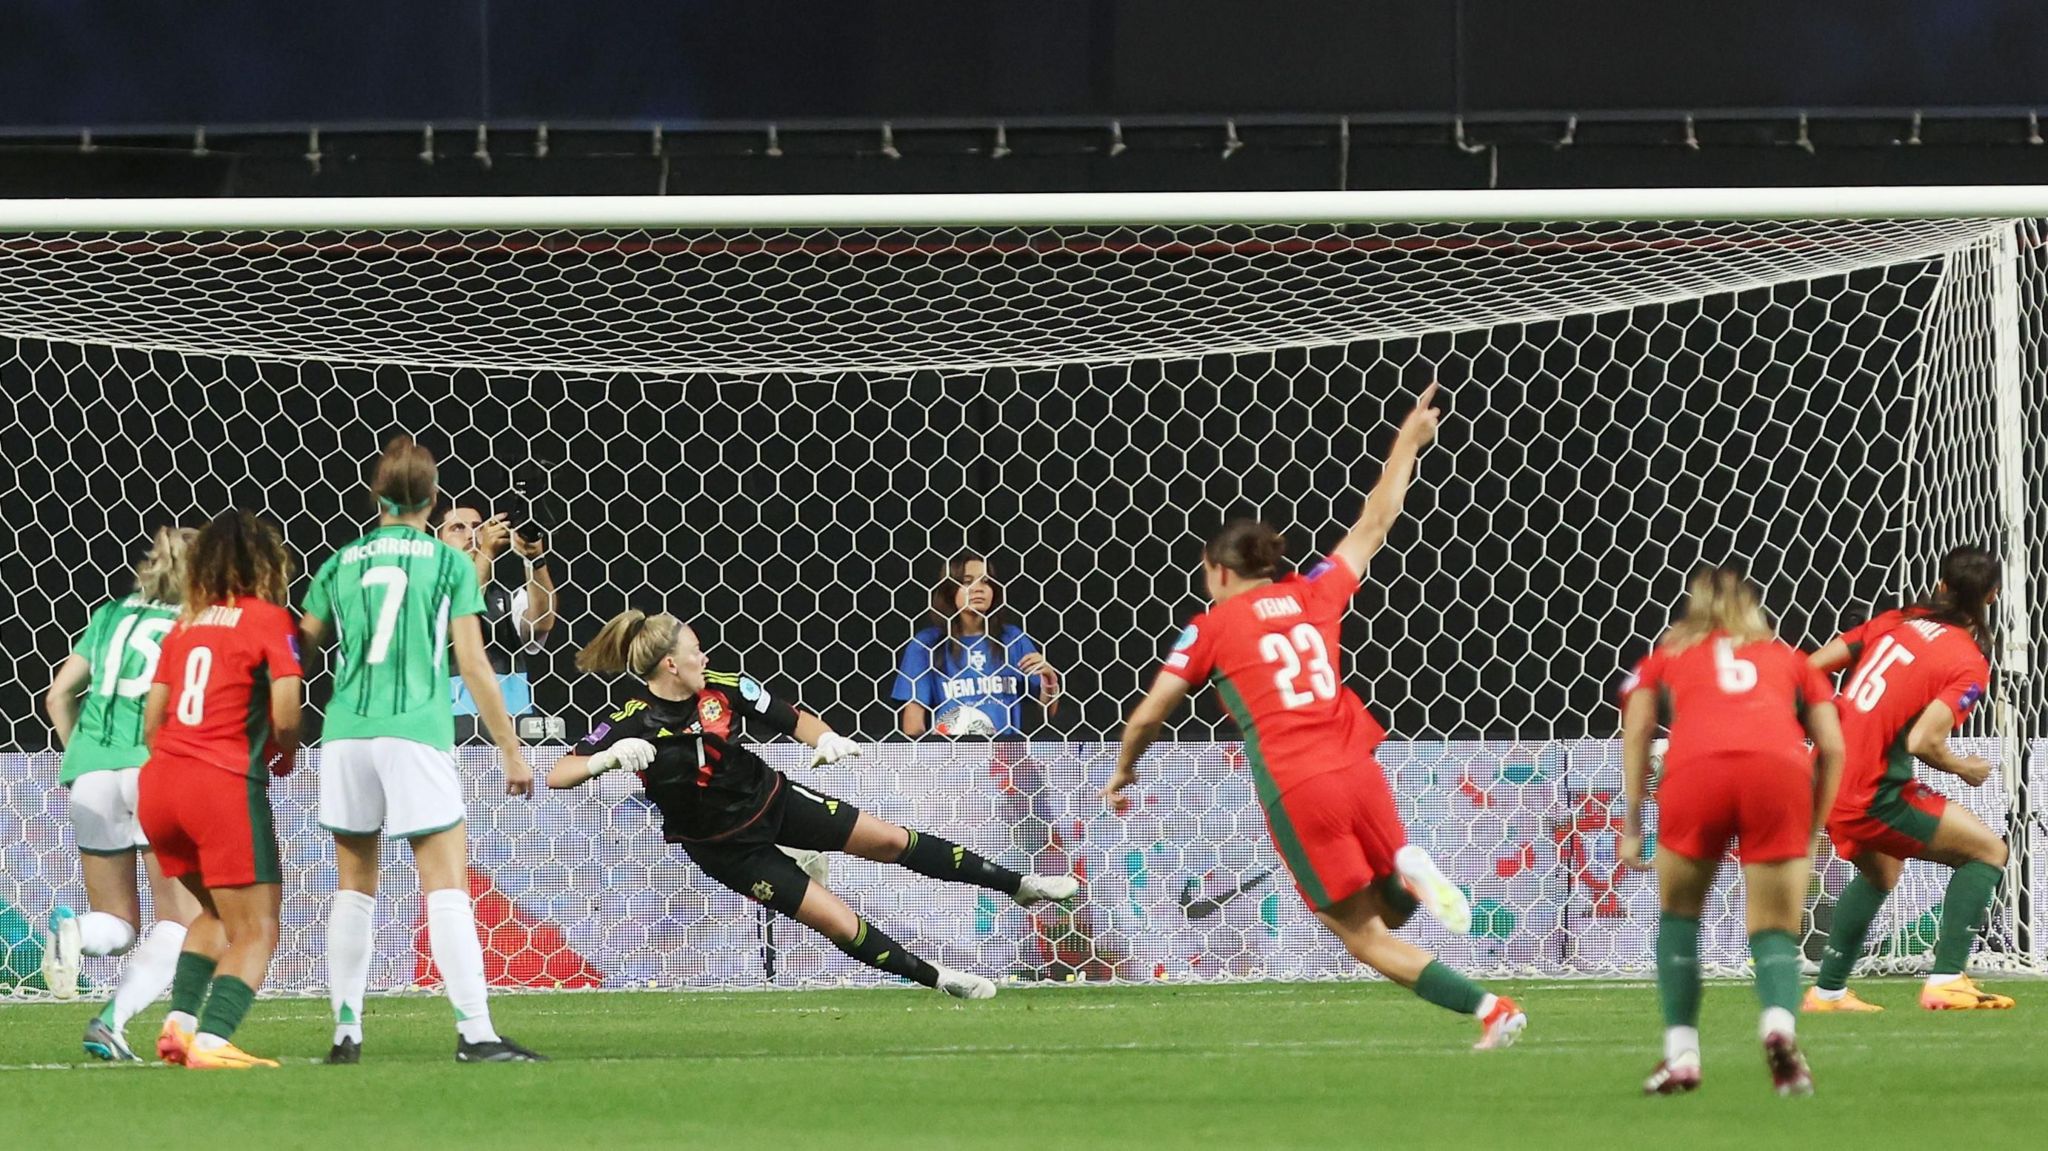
(405,480)
(1719,599)
(161,574)
(631,641)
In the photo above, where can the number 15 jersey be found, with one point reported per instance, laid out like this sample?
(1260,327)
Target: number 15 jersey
(1272,654)
(390,596)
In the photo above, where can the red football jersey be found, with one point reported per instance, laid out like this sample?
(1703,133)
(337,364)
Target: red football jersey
(1273,656)
(1903,662)
(219,667)
(1720,698)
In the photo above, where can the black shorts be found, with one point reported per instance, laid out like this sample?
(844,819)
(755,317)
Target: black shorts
(752,863)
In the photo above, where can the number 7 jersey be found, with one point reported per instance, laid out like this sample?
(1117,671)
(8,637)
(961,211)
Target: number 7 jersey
(1272,654)
(390,596)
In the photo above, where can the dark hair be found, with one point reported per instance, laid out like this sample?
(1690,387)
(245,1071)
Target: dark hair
(480,507)
(236,555)
(405,479)
(1962,597)
(946,611)
(1250,548)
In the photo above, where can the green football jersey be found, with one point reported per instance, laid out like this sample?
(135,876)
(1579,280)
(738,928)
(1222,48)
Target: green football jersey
(120,645)
(389,597)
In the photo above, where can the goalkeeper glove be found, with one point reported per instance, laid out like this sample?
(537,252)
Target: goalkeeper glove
(631,754)
(833,747)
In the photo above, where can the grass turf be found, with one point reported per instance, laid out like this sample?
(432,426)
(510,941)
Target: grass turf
(1316,1065)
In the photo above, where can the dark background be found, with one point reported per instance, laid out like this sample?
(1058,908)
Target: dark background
(245,97)
(1587,463)
(112,66)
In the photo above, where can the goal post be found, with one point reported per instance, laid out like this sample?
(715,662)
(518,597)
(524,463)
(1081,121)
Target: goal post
(780,416)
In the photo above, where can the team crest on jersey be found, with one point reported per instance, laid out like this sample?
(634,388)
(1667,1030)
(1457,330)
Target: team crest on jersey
(977,659)
(764,891)
(710,710)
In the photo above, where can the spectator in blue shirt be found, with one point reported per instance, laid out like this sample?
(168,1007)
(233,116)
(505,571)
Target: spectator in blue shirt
(971,667)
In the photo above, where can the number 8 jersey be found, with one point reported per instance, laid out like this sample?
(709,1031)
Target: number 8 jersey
(389,596)
(218,666)
(1272,654)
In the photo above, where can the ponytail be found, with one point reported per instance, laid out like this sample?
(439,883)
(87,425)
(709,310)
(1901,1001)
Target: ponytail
(630,641)
(1970,576)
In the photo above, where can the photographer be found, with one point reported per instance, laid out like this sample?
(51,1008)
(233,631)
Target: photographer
(519,602)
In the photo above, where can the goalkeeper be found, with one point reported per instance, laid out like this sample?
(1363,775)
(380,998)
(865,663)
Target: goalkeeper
(733,814)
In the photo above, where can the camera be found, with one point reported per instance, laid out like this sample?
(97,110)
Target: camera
(531,506)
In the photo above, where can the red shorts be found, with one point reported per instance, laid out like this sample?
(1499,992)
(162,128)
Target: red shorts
(208,822)
(1337,832)
(1899,820)
(1765,802)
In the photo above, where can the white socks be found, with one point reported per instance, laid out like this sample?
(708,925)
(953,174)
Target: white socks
(1932,980)
(1680,1042)
(351,929)
(451,929)
(102,934)
(1830,996)
(1776,1021)
(149,970)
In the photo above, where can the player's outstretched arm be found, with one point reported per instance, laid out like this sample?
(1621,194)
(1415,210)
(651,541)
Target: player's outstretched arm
(1383,505)
(1140,731)
(1825,726)
(1638,729)
(1928,743)
(829,745)
(73,675)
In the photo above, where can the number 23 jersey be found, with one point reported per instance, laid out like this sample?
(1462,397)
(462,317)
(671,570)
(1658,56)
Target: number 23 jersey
(1272,654)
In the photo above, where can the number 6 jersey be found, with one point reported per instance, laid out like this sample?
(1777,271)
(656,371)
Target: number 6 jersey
(1272,654)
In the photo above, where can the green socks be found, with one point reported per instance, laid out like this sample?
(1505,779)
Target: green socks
(226,1003)
(1854,911)
(1678,969)
(1447,989)
(188,983)
(1777,968)
(1969,896)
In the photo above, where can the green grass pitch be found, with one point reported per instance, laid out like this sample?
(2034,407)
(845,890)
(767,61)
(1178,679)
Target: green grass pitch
(1316,1065)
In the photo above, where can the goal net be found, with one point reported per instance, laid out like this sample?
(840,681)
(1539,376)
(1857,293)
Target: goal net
(780,419)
